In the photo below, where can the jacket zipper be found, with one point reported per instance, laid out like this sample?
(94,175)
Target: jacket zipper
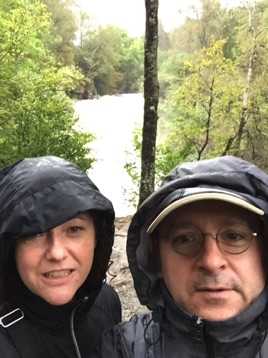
(201,335)
(72,326)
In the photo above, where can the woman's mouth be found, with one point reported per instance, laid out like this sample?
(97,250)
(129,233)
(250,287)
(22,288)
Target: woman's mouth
(58,273)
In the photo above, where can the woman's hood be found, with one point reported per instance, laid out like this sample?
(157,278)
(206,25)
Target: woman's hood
(38,194)
(227,174)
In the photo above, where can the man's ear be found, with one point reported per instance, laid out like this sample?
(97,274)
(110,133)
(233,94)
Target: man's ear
(155,262)
(264,246)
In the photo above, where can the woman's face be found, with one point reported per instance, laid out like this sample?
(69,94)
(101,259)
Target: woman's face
(54,264)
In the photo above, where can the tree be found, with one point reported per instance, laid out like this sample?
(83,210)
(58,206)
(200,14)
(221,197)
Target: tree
(201,23)
(253,58)
(110,60)
(204,109)
(130,64)
(151,97)
(36,115)
(217,104)
(63,27)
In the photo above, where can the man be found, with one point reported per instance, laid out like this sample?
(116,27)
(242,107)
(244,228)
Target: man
(197,251)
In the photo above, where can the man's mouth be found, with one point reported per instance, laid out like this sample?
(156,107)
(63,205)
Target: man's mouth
(211,289)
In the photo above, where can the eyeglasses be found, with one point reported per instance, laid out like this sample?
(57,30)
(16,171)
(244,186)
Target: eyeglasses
(232,239)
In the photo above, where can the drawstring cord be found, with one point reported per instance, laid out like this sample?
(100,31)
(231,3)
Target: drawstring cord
(72,327)
(157,316)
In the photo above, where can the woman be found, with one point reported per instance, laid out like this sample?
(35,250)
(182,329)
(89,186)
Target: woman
(56,237)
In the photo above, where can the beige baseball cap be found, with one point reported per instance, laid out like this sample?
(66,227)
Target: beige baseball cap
(181,197)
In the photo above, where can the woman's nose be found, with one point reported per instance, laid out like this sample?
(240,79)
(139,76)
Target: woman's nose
(56,247)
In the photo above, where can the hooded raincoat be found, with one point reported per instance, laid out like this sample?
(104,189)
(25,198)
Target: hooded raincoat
(168,331)
(36,195)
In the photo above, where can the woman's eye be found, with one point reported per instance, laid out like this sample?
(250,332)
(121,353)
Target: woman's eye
(75,229)
(34,238)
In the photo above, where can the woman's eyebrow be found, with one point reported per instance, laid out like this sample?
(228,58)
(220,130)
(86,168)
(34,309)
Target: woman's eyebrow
(82,216)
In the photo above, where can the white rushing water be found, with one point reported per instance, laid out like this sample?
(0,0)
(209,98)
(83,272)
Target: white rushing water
(112,120)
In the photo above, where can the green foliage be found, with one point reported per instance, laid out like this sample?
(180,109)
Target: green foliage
(131,63)
(63,28)
(216,103)
(204,107)
(131,167)
(111,61)
(166,159)
(207,20)
(36,115)
(169,66)
(98,59)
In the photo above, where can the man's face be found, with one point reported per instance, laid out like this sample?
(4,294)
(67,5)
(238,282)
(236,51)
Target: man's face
(211,284)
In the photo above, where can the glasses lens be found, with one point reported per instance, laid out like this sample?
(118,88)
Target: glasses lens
(185,240)
(234,239)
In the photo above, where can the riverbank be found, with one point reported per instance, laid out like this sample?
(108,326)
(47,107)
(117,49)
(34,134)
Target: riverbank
(122,282)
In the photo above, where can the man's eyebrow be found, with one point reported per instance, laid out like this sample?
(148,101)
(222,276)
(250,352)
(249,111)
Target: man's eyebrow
(238,220)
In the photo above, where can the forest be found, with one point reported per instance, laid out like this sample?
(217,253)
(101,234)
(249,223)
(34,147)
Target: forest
(50,55)
(213,87)
(211,71)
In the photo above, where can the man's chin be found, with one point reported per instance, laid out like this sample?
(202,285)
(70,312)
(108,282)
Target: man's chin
(217,313)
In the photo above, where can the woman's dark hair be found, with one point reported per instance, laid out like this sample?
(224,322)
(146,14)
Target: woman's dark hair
(104,231)
(7,277)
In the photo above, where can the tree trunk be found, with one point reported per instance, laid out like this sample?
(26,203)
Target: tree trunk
(151,97)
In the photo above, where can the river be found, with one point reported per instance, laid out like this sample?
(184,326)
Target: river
(112,120)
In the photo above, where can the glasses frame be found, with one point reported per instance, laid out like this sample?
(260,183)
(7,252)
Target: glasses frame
(216,238)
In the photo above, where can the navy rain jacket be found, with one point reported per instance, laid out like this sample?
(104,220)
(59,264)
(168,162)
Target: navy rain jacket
(168,331)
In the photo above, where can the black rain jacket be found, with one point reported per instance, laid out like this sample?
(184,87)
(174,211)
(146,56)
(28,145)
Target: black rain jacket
(168,331)
(36,195)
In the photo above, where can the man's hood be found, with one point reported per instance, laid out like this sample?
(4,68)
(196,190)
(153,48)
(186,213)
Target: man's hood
(228,173)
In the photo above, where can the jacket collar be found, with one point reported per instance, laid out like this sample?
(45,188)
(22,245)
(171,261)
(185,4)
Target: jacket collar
(45,315)
(231,335)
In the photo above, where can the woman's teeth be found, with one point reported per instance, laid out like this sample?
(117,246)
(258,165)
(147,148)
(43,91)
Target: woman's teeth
(57,274)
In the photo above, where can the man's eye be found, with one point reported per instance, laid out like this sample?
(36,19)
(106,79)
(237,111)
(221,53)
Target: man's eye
(183,240)
(233,236)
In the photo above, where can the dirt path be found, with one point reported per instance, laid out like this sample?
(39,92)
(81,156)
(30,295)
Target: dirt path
(123,283)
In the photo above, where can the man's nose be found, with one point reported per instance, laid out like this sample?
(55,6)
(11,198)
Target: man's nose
(56,247)
(210,257)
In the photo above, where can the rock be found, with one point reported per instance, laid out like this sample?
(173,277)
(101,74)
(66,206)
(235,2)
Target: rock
(119,275)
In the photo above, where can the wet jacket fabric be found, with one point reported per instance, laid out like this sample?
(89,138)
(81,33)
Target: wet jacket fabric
(36,195)
(168,331)
(50,327)
(180,335)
